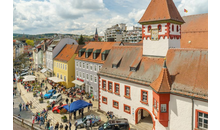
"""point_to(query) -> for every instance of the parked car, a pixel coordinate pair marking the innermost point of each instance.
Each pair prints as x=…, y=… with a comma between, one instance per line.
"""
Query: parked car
x=56, y=97
x=116, y=124
x=57, y=109
x=50, y=93
x=82, y=122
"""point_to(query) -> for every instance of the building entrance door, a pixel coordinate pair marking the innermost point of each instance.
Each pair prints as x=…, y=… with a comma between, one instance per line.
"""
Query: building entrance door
x=144, y=119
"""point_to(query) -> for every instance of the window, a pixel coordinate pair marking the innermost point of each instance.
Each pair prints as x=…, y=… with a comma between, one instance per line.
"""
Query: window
x=104, y=56
x=115, y=104
x=144, y=95
x=94, y=55
x=54, y=64
x=127, y=109
x=117, y=89
x=132, y=69
x=87, y=55
x=87, y=66
x=83, y=75
x=110, y=86
x=201, y=119
x=95, y=79
x=95, y=67
x=159, y=28
x=114, y=66
x=80, y=74
x=156, y=104
x=104, y=100
x=149, y=28
x=127, y=92
x=87, y=76
x=91, y=78
x=177, y=28
x=65, y=67
x=83, y=65
x=61, y=66
x=76, y=73
x=172, y=27
x=104, y=85
x=61, y=76
x=64, y=78
x=57, y=75
x=76, y=64
x=57, y=65
x=100, y=67
x=91, y=67
x=163, y=108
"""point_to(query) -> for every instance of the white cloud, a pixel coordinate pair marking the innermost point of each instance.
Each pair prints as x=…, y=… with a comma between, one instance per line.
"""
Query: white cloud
x=83, y=16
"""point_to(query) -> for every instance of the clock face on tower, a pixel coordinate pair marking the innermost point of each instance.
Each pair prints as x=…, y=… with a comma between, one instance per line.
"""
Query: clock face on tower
x=154, y=34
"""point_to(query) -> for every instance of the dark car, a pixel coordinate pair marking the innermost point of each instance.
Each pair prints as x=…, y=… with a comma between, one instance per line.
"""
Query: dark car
x=116, y=124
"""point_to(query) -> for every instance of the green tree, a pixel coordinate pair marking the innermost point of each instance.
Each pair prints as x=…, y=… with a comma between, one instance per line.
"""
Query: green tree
x=81, y=40
x=30, y=42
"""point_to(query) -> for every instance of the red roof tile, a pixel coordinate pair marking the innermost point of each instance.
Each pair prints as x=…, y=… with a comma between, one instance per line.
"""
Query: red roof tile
x=159, y=10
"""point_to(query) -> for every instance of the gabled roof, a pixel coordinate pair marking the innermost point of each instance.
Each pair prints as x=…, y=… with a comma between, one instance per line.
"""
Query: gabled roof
x=97, y=45
x=67, y=52
x=159, y=10
x=195, y=29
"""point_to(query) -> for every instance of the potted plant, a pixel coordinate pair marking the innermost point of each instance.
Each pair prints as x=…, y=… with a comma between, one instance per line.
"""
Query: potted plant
x=63, y=111
x=41, y=100
x=64, y=119
x=34, y=94
x=49, y=107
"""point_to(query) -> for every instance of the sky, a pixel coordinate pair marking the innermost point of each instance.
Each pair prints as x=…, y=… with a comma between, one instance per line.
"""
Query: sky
x=84, y=16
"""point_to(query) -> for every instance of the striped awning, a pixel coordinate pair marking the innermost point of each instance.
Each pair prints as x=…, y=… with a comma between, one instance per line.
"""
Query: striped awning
x=82, y=50
x=97, y=51
x=89, y=50
x=106, y=52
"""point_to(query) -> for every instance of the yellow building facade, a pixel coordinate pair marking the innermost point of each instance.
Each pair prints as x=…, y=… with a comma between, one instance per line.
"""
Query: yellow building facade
x=65, y=71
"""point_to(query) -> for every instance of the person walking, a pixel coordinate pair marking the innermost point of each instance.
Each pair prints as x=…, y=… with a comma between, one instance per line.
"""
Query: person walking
x=20, y=105
x=41, y=120
x=27, y=104
x=61, y=126
x=66, y=127
x=30, y=104
x=48, y=125
x=67, y=100
x=70, y=125
x=57, y=126
x=15, y=92
x=71, y=100
x=45, y=125
x=33, y=119
x=51, y=127
x=23, y=106
x=90, y=123
x=75, y=125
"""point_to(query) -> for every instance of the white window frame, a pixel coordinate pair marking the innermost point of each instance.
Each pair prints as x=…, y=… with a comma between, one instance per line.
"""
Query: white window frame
x=76, y=63
x=91, y=67
x=95, y=79
x=77, y=73
x=91, y=77
x=87, y=76
x=80, y=74
x=87, y=66
x=80, y=64
x=95, y=68
x=57, y=75
x=61, y=76
x=65, y=67
x=64, y=77
x=83, y=65
x=163, y=108
x=203, y=122
x=83, y=75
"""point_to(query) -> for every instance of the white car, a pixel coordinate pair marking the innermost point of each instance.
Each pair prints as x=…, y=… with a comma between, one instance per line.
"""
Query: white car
x=56, y=97
x=23, y=74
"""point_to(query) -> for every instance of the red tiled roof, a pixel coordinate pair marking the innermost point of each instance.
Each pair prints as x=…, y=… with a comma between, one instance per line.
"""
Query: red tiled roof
x=195, y=30
x=96, y=45
x=159, y=10
x=66, y=53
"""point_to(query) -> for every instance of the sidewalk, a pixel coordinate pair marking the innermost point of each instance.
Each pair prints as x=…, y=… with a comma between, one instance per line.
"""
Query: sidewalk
x=38, y=107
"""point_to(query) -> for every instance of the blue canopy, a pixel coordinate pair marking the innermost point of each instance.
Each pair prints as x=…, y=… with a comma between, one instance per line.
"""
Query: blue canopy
x=77, y=105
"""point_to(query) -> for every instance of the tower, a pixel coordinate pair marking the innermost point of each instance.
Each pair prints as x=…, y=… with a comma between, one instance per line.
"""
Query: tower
x=161, y=28
x=96, y=35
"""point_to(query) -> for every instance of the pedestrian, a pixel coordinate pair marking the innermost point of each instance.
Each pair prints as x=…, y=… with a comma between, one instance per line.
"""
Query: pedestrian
x=57, y=126
x=70, y=125
x=46, y=88
x=20, y=92
x=27, y=104
x=45, y=125
x=92, y=98
x=66, y=127
x=90, y=123
x=61, y=126
x=87, y=124
x=71, y=100
x=15, y=92
x=30, y=104
x=33, y=118
x=75, y=125
x=41, y=120
x=48, y=124
x=51, y=127
x=23, y=106
x=13, y=104
x=20, y=105
x=79, y=111
x=67, y=100
x=74, y=113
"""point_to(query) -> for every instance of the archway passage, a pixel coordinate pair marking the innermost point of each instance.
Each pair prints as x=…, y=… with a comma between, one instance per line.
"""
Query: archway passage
x=144, y=119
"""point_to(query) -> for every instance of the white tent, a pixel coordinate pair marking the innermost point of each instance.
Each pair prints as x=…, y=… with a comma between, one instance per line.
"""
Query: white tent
x=43, y=70
x=29, y=76
x=78, y=82
x=55, y=79
x=29, y=79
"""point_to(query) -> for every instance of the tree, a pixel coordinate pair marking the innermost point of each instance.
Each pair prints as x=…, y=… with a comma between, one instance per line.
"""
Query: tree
x=81, y=40
x=30, y=42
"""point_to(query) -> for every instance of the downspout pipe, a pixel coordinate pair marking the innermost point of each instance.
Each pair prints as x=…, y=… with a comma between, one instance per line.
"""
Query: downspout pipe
x=192, y=111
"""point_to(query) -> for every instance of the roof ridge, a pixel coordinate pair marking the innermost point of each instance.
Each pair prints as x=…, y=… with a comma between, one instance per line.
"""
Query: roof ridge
x=195, y=15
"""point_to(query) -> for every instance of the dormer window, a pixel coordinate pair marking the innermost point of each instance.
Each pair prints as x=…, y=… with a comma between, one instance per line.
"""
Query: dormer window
x=81, y=51
x=133, y=69
x=96, y=53
x=105, y=54
x=88, y=52
x=114, y=66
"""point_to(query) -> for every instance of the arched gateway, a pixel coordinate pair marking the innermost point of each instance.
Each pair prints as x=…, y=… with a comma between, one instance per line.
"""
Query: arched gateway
x=139, y=114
